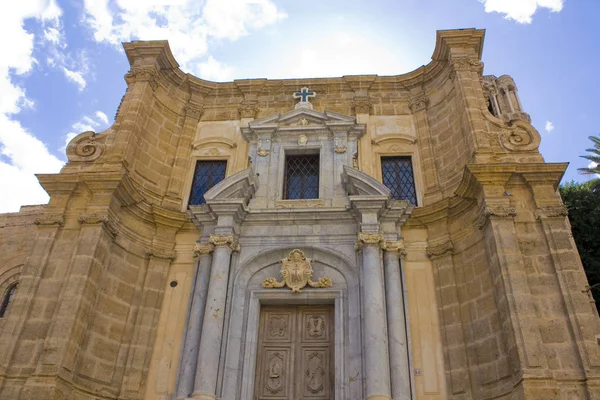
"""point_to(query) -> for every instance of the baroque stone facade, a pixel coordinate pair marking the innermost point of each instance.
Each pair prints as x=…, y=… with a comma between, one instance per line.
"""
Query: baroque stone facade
x=126, y=292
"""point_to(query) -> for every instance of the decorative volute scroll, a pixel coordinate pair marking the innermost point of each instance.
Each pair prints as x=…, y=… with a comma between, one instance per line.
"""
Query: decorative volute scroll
x=87, y=146
x=296, y=272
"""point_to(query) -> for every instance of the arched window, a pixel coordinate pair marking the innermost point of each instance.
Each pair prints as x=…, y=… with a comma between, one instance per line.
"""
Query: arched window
x=10, y=292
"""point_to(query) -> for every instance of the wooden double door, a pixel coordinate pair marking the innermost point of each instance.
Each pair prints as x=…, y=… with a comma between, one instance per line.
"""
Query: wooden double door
x=295, y=353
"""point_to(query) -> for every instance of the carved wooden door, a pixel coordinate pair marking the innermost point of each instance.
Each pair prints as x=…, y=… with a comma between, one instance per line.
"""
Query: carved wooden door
x=295, y=353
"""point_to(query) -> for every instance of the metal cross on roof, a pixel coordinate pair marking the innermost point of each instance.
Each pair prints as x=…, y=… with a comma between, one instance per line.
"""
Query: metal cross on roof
x=304, y=94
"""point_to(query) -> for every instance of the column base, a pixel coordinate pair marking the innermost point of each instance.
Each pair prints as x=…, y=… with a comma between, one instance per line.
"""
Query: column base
x=379, y=397
x=202, y=396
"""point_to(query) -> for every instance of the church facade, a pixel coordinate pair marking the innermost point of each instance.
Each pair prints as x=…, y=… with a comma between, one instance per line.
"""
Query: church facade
x=363, y=237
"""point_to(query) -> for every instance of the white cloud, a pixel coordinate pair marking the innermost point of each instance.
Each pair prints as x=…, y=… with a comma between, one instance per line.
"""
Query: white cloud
x=100, y=115
x=23, y=154
x=76, y=77
x=521, y=10
x=549, y=126
x=187, y=24
x=213, y=70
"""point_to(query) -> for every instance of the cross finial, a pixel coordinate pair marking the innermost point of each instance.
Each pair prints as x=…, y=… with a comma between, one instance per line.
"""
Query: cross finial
x=303, y=95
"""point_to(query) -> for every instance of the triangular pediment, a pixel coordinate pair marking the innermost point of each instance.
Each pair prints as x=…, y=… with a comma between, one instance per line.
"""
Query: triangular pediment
x=304, y=119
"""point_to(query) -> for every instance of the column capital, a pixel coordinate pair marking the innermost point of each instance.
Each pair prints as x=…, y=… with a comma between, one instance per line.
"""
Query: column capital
x=394, y=247
x=494, y=210
x=201, y=249
x=225, y=240
x=366, y=238
x=440, y=250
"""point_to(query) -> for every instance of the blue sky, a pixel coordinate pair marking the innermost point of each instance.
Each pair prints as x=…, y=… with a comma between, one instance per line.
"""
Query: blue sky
x=62, y=65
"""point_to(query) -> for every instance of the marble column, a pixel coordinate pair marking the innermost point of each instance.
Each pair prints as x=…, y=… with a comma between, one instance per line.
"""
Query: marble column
x=377, y=364
x=394, y=296
x=189, y=358
x=205, y=383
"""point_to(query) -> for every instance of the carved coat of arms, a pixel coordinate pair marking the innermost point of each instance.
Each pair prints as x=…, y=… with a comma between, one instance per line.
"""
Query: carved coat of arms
x=296, y=272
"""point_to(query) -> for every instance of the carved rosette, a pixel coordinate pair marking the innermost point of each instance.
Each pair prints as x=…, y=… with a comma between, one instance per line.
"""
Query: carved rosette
x=366, y=238
x=161, y=254
x=201, y=249
x=225, y=240
x=248, y=109
x=194, y=111
x=395, y=247
x=418, y=103
x=497, y=211
x=296, y=271
x=551, y=212
x=51, y=219
x=440, y=250
x=87, y=146
x=362, y=105
x=143, y=74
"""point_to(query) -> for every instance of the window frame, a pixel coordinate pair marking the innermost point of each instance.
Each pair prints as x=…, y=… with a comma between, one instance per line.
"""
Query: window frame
x=411, y=157
x=8, y=298
x=286, y=170
x=292, y=150
x=192, y=170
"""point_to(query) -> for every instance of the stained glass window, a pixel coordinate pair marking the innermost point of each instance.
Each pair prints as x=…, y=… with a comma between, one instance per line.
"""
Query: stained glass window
x=301, y=177
x=398, y=176
x=206, y=175
x=7, y=298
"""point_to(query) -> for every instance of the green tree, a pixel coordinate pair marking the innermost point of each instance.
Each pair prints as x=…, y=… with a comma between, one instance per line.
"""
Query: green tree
x=583, y=204
x=594, y=167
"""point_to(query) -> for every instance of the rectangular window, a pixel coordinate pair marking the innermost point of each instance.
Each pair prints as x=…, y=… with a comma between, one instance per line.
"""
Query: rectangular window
x=301, y=177
x=397, y=173
x=206, y=175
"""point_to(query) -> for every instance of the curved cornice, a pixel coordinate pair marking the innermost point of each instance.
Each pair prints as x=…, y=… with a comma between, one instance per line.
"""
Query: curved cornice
x=158, y=54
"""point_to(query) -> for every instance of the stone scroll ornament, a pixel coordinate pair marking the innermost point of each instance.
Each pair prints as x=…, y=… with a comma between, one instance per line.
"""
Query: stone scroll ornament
x=296, y=272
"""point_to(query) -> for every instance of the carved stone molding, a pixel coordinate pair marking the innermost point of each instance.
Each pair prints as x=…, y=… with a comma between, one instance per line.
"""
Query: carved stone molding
x=418, y=103
x=201, y=249
x=395, y=247
x=293, y=204
x=497, y=211
x=362, y=105
x=85, y=147
x=92, y=219
x=52, y=219
x=519, y=139
x=248, y=109
x=296, y=272
x=194, y=111
x=143, y=74
x=225, y=240
x=440, y=250
x=161, y=254
x=551, y=212
x=467, y=64
x=366, y=238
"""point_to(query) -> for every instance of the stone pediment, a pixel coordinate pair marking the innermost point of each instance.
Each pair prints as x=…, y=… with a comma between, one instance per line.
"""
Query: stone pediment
x=304, y=120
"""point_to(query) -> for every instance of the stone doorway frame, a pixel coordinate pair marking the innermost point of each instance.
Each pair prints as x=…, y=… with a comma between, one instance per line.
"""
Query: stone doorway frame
x=260, y=298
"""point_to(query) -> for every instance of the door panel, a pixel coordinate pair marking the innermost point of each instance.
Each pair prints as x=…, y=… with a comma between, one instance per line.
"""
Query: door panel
x=295, y=353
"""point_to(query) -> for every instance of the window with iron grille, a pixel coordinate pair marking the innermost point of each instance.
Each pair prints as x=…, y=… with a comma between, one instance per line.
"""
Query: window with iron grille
x=397, y=173
x=301, y=177
x=206, y=175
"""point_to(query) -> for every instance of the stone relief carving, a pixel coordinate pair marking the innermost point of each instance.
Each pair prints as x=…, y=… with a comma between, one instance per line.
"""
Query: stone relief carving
x=194, y=111
x=296, y=272
x=551, y=212
x=365, y=238
x=315, y=326
x=225, y=240
x=52, y=219
x=278, y=326
x=362, y=105
x=340, y=148
x=87, y=146
x=440, y=250
x=161, y=254
x=494, y=211
x=467, y=64
x=519, y=139
x=260, y=151
x=143, y=74
x=275, y=373
x=395, y=247
x=418, y=103
x=201, y=249
x=315, y=373
x=248, y=109
x=99, y=219
x=302, y=140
